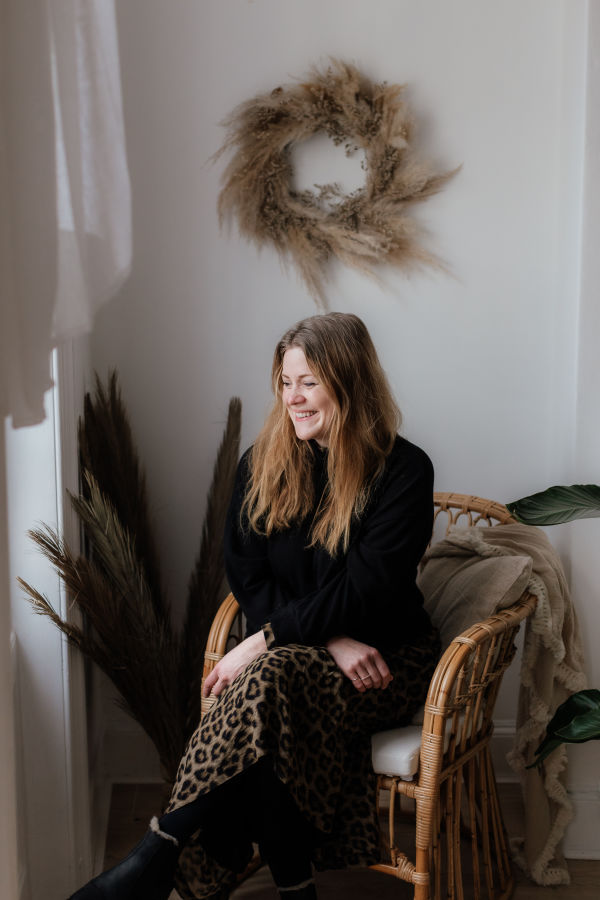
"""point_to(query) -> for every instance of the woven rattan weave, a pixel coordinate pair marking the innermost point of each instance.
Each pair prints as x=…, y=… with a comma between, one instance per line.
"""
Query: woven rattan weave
x=460, y=840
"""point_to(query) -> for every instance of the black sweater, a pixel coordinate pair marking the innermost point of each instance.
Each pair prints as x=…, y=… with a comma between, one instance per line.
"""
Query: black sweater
x=369, y=593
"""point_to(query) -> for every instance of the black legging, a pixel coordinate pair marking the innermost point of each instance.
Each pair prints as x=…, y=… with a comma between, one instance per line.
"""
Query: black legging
x=259, y=807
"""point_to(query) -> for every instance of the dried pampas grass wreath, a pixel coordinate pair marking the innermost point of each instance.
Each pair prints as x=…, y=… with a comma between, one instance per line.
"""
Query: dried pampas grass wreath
x=362, y=229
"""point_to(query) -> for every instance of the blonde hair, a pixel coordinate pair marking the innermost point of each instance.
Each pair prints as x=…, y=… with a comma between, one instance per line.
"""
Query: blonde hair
x=280, y=492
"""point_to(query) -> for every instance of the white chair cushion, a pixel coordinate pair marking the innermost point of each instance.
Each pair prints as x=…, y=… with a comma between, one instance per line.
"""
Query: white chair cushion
x=396, y=752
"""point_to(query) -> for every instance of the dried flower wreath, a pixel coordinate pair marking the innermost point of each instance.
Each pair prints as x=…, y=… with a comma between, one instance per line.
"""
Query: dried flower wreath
x=369, y=225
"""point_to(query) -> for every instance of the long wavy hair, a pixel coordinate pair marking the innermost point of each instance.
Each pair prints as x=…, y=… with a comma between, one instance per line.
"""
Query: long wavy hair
x=280, y=493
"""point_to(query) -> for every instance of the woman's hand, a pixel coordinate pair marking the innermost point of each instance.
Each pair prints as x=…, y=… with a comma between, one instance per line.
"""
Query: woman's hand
x=363, y=665
x=234, y=662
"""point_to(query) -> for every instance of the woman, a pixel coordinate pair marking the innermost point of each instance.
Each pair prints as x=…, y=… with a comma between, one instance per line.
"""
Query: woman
x=330, y=515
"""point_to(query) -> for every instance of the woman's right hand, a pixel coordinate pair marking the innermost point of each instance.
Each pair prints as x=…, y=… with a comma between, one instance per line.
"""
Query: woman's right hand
x=362, y=664
x=234, y=662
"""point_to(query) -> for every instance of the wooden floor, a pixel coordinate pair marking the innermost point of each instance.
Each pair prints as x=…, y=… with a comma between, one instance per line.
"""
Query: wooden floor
x=133, y=805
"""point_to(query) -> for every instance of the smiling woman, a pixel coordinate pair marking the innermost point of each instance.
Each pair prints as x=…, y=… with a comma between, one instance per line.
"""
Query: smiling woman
x=330, y=515
x=356, y=419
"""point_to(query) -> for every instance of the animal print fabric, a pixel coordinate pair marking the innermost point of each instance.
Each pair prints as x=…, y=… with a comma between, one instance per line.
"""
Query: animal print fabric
x=294, y=705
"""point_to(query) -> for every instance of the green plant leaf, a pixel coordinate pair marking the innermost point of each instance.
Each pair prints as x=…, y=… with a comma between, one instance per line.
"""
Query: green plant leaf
x=547, y=746
x=558, y=504
x=575, y=721
x=583, y=724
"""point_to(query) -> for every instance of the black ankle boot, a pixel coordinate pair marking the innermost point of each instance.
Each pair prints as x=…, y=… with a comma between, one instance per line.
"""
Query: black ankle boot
x=146, y=874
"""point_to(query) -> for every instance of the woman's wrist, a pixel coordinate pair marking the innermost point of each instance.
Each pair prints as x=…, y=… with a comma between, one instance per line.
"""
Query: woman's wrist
x=259, y=641
x=332, y=641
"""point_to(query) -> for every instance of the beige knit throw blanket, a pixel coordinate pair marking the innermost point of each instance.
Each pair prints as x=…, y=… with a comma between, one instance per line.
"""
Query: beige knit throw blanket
x=551, y=669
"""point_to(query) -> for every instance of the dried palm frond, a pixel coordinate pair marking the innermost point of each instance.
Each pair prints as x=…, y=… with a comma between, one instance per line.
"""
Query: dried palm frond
x=42, y=606
x=367, y=227
x=116, y=584
x=206, y=587
x=137, y=651
x=107, y=449
x=114, y=552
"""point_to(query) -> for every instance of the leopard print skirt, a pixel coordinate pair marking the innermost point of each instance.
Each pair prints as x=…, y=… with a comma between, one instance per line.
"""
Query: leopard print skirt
x=294, y=705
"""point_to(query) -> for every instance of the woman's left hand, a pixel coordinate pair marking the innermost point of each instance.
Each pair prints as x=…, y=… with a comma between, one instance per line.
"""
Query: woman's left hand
x=234, y=662
x=363, y=665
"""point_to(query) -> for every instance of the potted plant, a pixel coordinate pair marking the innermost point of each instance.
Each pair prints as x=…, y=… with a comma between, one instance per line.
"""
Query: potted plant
x=577, y=719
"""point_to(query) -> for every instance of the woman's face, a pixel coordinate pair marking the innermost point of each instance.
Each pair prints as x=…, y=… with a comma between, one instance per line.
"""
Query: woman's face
x=310, y=406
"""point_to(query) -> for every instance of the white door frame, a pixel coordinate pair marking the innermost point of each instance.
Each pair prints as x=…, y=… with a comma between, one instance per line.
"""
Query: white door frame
x=53, y=809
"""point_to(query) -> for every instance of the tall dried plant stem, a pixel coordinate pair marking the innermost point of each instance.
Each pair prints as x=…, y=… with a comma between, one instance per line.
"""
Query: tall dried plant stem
x=107, y=450
x=207, y=583
x=116, y=584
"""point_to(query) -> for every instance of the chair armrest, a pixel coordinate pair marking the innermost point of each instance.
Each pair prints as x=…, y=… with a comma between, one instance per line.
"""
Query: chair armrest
x=216, y=645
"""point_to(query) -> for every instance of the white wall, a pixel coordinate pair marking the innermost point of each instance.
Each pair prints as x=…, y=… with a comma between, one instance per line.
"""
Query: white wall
x=484, y=363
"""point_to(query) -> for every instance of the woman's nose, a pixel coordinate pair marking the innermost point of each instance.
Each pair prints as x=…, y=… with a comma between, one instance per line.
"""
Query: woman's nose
x=295, y=396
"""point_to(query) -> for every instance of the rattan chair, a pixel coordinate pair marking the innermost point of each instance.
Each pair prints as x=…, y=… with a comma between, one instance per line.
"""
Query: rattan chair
x=444, y=765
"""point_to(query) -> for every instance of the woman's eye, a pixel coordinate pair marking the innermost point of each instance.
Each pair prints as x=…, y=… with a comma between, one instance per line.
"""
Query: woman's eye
x=309, y=384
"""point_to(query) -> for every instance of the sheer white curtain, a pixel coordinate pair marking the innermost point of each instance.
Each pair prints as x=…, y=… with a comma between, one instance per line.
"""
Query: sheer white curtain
x=65, y=206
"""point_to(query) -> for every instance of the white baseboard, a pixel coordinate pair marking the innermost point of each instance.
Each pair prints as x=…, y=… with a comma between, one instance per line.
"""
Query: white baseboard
x=582, y=839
